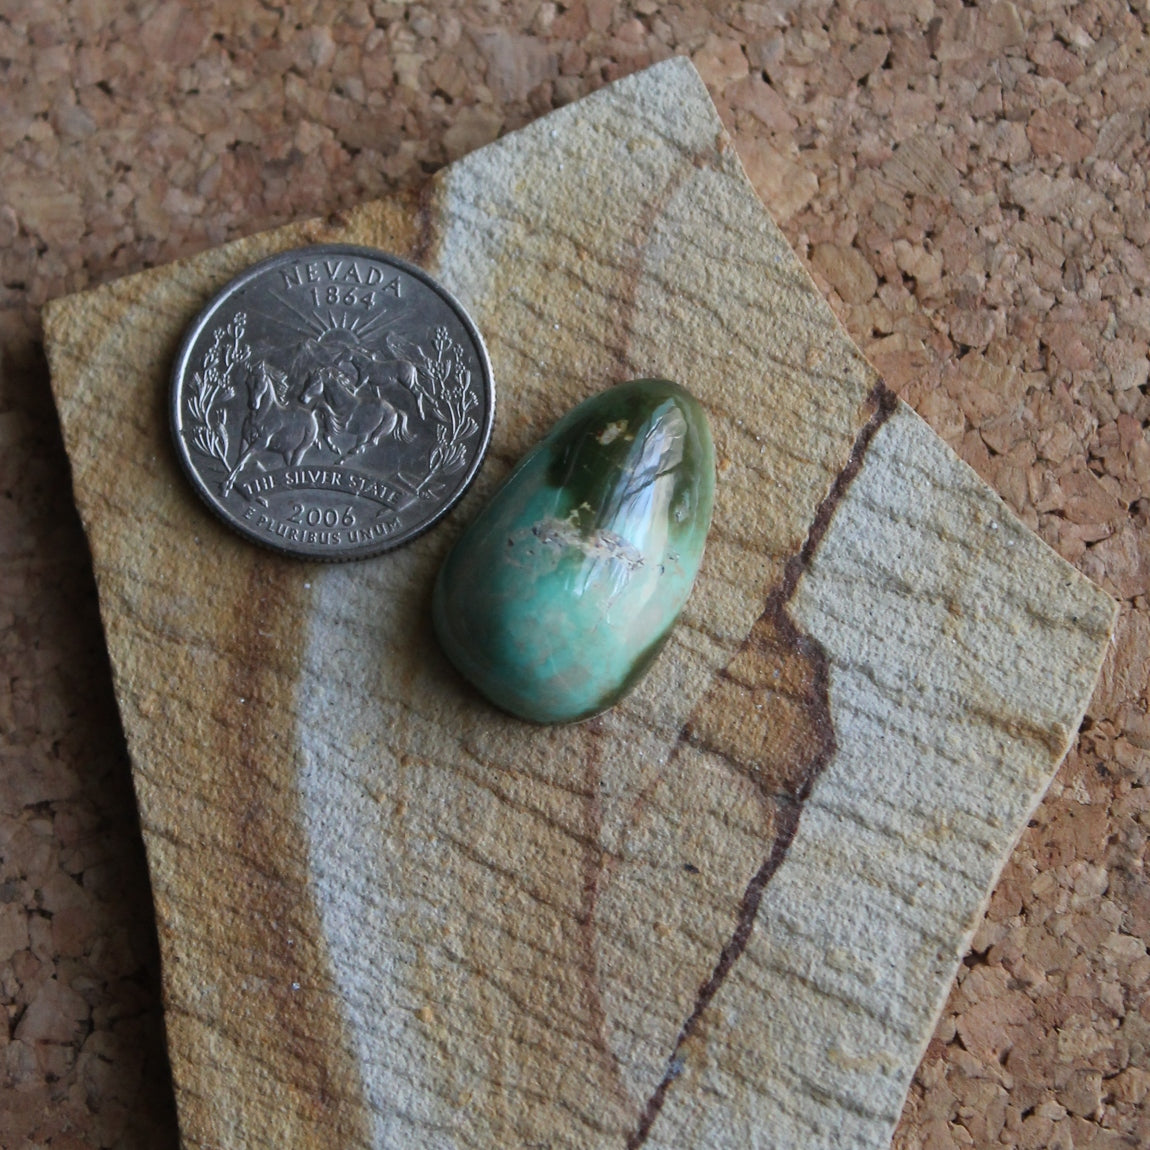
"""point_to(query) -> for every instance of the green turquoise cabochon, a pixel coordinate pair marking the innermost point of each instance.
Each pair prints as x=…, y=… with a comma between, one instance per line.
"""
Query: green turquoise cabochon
x=559, y=595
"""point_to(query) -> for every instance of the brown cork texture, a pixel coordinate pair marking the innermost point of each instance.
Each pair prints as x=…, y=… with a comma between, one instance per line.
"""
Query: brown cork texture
x=967, y=187
x=340, y=840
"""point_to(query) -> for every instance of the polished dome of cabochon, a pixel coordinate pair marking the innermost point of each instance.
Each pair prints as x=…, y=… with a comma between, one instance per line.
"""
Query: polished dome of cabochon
x=559, y=595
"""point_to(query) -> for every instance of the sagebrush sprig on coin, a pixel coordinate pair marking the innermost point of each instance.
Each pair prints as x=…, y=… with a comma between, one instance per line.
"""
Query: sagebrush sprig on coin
x=326, y=421
x=452, y=399
x=212, y=383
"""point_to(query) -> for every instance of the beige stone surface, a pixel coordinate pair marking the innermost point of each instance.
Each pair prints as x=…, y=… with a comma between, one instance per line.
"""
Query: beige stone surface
x=726, y=912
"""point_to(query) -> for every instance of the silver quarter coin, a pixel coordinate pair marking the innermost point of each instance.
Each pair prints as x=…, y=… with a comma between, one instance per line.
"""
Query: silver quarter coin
x=332, y=402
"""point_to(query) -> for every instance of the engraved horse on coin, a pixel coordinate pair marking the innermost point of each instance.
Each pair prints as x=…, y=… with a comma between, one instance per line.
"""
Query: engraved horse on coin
x=355, y=418
x=277, y=422
x=348, y=390
x=335, y=387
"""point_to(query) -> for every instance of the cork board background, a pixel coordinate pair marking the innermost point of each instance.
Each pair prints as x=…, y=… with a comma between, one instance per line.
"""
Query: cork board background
x=968, y=186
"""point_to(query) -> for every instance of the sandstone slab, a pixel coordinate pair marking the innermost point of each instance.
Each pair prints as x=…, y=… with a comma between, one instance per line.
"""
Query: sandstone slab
x=725, y=913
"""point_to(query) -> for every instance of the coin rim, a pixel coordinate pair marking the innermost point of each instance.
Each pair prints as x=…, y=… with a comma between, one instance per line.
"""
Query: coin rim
x=236, y=283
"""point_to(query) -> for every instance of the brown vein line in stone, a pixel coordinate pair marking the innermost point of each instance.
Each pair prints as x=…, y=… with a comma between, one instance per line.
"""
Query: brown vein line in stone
x=787, y=825
x=883, y=403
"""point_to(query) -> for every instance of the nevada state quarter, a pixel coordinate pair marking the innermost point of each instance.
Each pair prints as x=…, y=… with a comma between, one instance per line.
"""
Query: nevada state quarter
x=332, y=402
